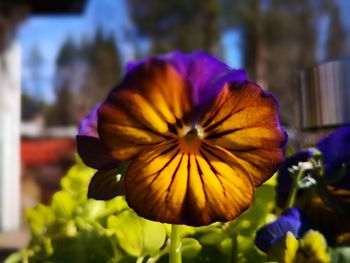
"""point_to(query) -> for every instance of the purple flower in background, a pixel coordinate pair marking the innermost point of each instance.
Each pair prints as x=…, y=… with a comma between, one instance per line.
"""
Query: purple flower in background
x=285, y=179
x=328, y=205
x=292, y=220
x=335, y=149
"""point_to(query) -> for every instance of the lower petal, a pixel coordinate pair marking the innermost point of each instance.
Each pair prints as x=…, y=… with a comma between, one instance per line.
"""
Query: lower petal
x=105, y=185
x=193, y=188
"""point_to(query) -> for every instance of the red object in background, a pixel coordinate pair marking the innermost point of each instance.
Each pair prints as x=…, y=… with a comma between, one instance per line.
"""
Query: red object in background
x=40, y=152
x=44, y=162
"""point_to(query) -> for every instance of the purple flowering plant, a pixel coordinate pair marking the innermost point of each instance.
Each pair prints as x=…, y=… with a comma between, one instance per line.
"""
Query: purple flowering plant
x=191, y=138
x=315, y=182
x=178, y=164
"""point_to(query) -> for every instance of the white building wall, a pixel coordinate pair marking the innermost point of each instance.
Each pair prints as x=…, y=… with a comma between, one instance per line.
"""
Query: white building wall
x=10, y=104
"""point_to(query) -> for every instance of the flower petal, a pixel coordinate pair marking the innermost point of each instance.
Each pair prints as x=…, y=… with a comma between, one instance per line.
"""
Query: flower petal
x=206, y=73
x=335, y=149
x=90, y=148
x=152, y=97
x=94, y=154
x=88, y=125
x=285, y=250
x=331, y=223
x=193, y=188
x=313, y=248
x=268, y=235
x=244, y=120
x=105, y=186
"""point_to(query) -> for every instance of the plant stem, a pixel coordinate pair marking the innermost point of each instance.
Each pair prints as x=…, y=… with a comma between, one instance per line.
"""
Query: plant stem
x=294, y=189
x=234, y=250
x=175, y=245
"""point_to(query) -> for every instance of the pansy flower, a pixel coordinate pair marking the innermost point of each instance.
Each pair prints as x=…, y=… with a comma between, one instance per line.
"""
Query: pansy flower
x=289, y=239
x=285, y=179
x=292, y=220
x=327, y=204
x=199, y=138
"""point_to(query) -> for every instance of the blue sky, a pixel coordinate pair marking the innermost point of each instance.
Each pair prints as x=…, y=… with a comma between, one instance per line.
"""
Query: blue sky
x=47, y=33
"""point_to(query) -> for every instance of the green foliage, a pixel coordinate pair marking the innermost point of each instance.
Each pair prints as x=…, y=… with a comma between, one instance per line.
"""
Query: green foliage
x=137, y=236
x=76, y=229
x=341, y=255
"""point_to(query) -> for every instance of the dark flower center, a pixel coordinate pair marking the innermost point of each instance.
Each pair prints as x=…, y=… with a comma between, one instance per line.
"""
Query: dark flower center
x=190, y=134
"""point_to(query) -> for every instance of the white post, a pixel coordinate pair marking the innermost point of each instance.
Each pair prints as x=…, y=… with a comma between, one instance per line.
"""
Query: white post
x=10, y=104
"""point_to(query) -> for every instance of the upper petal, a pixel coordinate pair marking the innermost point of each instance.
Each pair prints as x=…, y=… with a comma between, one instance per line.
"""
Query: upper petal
x=144, y=108
x=206, y=73
x=244, y=120
x=94, y=154
x=88, y=125
x=90, y=147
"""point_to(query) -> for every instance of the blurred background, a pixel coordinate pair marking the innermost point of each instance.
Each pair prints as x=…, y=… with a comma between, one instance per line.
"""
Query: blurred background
x=67, y=55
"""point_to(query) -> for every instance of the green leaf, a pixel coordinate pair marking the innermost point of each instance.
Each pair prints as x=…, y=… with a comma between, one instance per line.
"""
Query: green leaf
x=247, y=250
x=137, y=236
x=190, y=248
x=213, y=236
x=39, y=218
x=63, y=205
x=340, y=255
x=117, y=205
x=89, y=246
x=185, y=231
x=77, y=180
x=92, y=209
x=16, y=257
x=256, y=215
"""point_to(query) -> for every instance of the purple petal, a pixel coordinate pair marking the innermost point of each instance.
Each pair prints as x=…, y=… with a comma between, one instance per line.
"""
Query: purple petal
x=207, y=74
x=94, y=154
x=269, y=234
x=88, y=126
x=335, y=149
x=90, y=147
x=285, y=179
x=105, y=186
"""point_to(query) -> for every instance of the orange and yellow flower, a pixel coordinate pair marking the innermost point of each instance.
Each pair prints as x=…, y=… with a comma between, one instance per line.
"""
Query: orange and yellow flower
x=199, y=138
